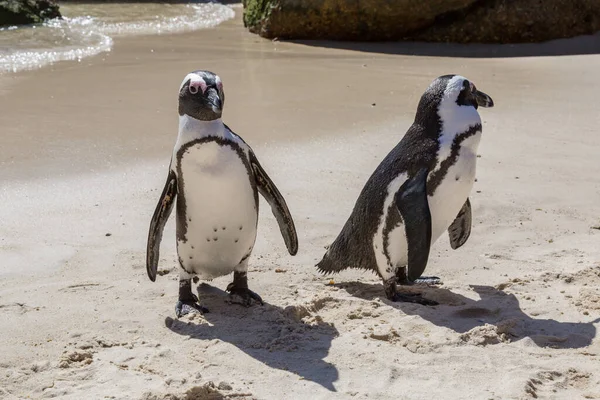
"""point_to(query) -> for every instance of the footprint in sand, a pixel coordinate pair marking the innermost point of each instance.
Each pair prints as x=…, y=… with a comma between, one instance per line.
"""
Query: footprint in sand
x=19, y=308
x=85, y=286
x=548, y=383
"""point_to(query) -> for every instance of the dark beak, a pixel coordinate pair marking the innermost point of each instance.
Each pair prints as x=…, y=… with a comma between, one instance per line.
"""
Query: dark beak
x=217, y=104
x=483, y=100
x=215, y=101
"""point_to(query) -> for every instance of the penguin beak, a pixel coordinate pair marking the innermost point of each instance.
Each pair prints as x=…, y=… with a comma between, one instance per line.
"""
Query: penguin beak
x=217, y=104
x=215, y=101
x=483, y=100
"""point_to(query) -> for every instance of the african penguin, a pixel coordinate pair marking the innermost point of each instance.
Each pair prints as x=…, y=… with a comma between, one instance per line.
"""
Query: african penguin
x=417, y=192
x=215, y=178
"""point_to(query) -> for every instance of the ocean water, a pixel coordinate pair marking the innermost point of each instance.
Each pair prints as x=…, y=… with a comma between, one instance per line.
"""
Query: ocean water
x=89, y=29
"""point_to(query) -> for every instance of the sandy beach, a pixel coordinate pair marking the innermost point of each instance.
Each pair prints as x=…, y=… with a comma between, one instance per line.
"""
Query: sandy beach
x=84, y=152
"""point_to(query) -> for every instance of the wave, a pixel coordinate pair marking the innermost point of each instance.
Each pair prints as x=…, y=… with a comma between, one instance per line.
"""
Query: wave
x=87, y=30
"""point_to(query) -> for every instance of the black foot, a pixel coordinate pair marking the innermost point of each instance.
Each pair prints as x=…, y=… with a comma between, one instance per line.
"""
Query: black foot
x=186, y=307
x=413, y=298
x=402, y=279
x=188, y=301
x=239, y=287
x=428, y=280
x=392, y=294
x=245, y=294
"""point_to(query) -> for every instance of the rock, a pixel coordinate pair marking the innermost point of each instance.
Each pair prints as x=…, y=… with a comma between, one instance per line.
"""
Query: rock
x=343, y=19
x=22, y=12
x=516, y=21
x=460, y=21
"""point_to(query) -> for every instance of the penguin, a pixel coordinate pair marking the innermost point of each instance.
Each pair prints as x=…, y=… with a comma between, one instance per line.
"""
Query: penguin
x=214, y=179
x=419, y=190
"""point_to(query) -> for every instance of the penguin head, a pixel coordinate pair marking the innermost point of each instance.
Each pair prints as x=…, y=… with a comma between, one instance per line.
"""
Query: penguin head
x=451, y=98
x=458, y=89
x=201, y=96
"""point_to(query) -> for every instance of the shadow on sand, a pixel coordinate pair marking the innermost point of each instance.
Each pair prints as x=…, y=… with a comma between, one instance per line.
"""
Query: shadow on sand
x=495, y=307
x=589, y=44
x=272, y=335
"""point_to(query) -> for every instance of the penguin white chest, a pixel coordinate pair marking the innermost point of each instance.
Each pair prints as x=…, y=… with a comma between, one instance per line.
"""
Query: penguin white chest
x=220, y=210
x=453, y=190
x=457, y=156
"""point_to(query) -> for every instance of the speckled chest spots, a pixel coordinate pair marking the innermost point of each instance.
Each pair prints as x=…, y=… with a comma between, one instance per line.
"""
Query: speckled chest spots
x=218, y=209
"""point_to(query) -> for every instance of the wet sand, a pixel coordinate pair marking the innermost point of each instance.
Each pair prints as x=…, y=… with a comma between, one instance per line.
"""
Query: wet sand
x=84, y=152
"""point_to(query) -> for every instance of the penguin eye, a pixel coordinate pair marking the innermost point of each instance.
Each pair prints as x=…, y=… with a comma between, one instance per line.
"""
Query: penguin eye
x=196, y=85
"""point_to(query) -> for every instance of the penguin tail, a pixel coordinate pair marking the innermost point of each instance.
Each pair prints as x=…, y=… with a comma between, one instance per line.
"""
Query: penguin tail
x=330, y=264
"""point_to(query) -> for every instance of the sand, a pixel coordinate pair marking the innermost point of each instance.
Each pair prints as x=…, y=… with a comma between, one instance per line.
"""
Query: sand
x=84, y=152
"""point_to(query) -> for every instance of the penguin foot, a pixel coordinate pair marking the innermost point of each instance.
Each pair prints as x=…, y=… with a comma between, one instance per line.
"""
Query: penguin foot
x=412, y=298
x=429, y=280
x=402, y=279
x=245, y=294
x=185, y=307
x=188, y=301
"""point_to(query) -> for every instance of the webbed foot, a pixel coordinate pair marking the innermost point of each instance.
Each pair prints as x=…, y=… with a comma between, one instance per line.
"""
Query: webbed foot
x=402, y=279
x=186, y=307
x=428, y=280
x=245, y=294
x=239, y=287
x=392, y=294
x=188, y=301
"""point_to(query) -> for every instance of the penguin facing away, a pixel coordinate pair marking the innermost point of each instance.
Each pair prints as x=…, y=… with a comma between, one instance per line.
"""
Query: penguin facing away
x=419, y=190
x=214, y=178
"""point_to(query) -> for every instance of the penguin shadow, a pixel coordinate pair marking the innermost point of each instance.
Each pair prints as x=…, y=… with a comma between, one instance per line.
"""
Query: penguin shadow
x=283, y=338
x=495, y=307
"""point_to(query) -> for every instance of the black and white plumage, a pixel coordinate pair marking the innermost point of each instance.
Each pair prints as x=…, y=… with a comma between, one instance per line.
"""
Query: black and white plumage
x=215, y=178
x=417, y=192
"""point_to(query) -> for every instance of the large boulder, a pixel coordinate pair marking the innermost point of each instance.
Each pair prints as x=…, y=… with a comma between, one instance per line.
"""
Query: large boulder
x=517, y=21
x=344, y=19
x=22, y=12
x=461, y=21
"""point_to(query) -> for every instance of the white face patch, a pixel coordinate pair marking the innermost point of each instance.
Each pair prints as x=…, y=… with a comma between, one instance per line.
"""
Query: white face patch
x=196, y=83
x=219, y=83
x=453, y=88
x=454, y=117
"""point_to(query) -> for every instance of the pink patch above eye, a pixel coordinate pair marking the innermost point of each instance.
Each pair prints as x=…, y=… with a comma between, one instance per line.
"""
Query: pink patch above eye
x=196, y=85
x=219, y=84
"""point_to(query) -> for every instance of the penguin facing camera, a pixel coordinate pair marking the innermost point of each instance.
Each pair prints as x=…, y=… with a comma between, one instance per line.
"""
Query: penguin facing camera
x=213, y=181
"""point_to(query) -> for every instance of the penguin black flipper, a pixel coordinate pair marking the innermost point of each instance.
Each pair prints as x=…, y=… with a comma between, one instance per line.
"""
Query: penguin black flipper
x=159, y=219
x=280, y=210
x=411, y=200
x=460, y=230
